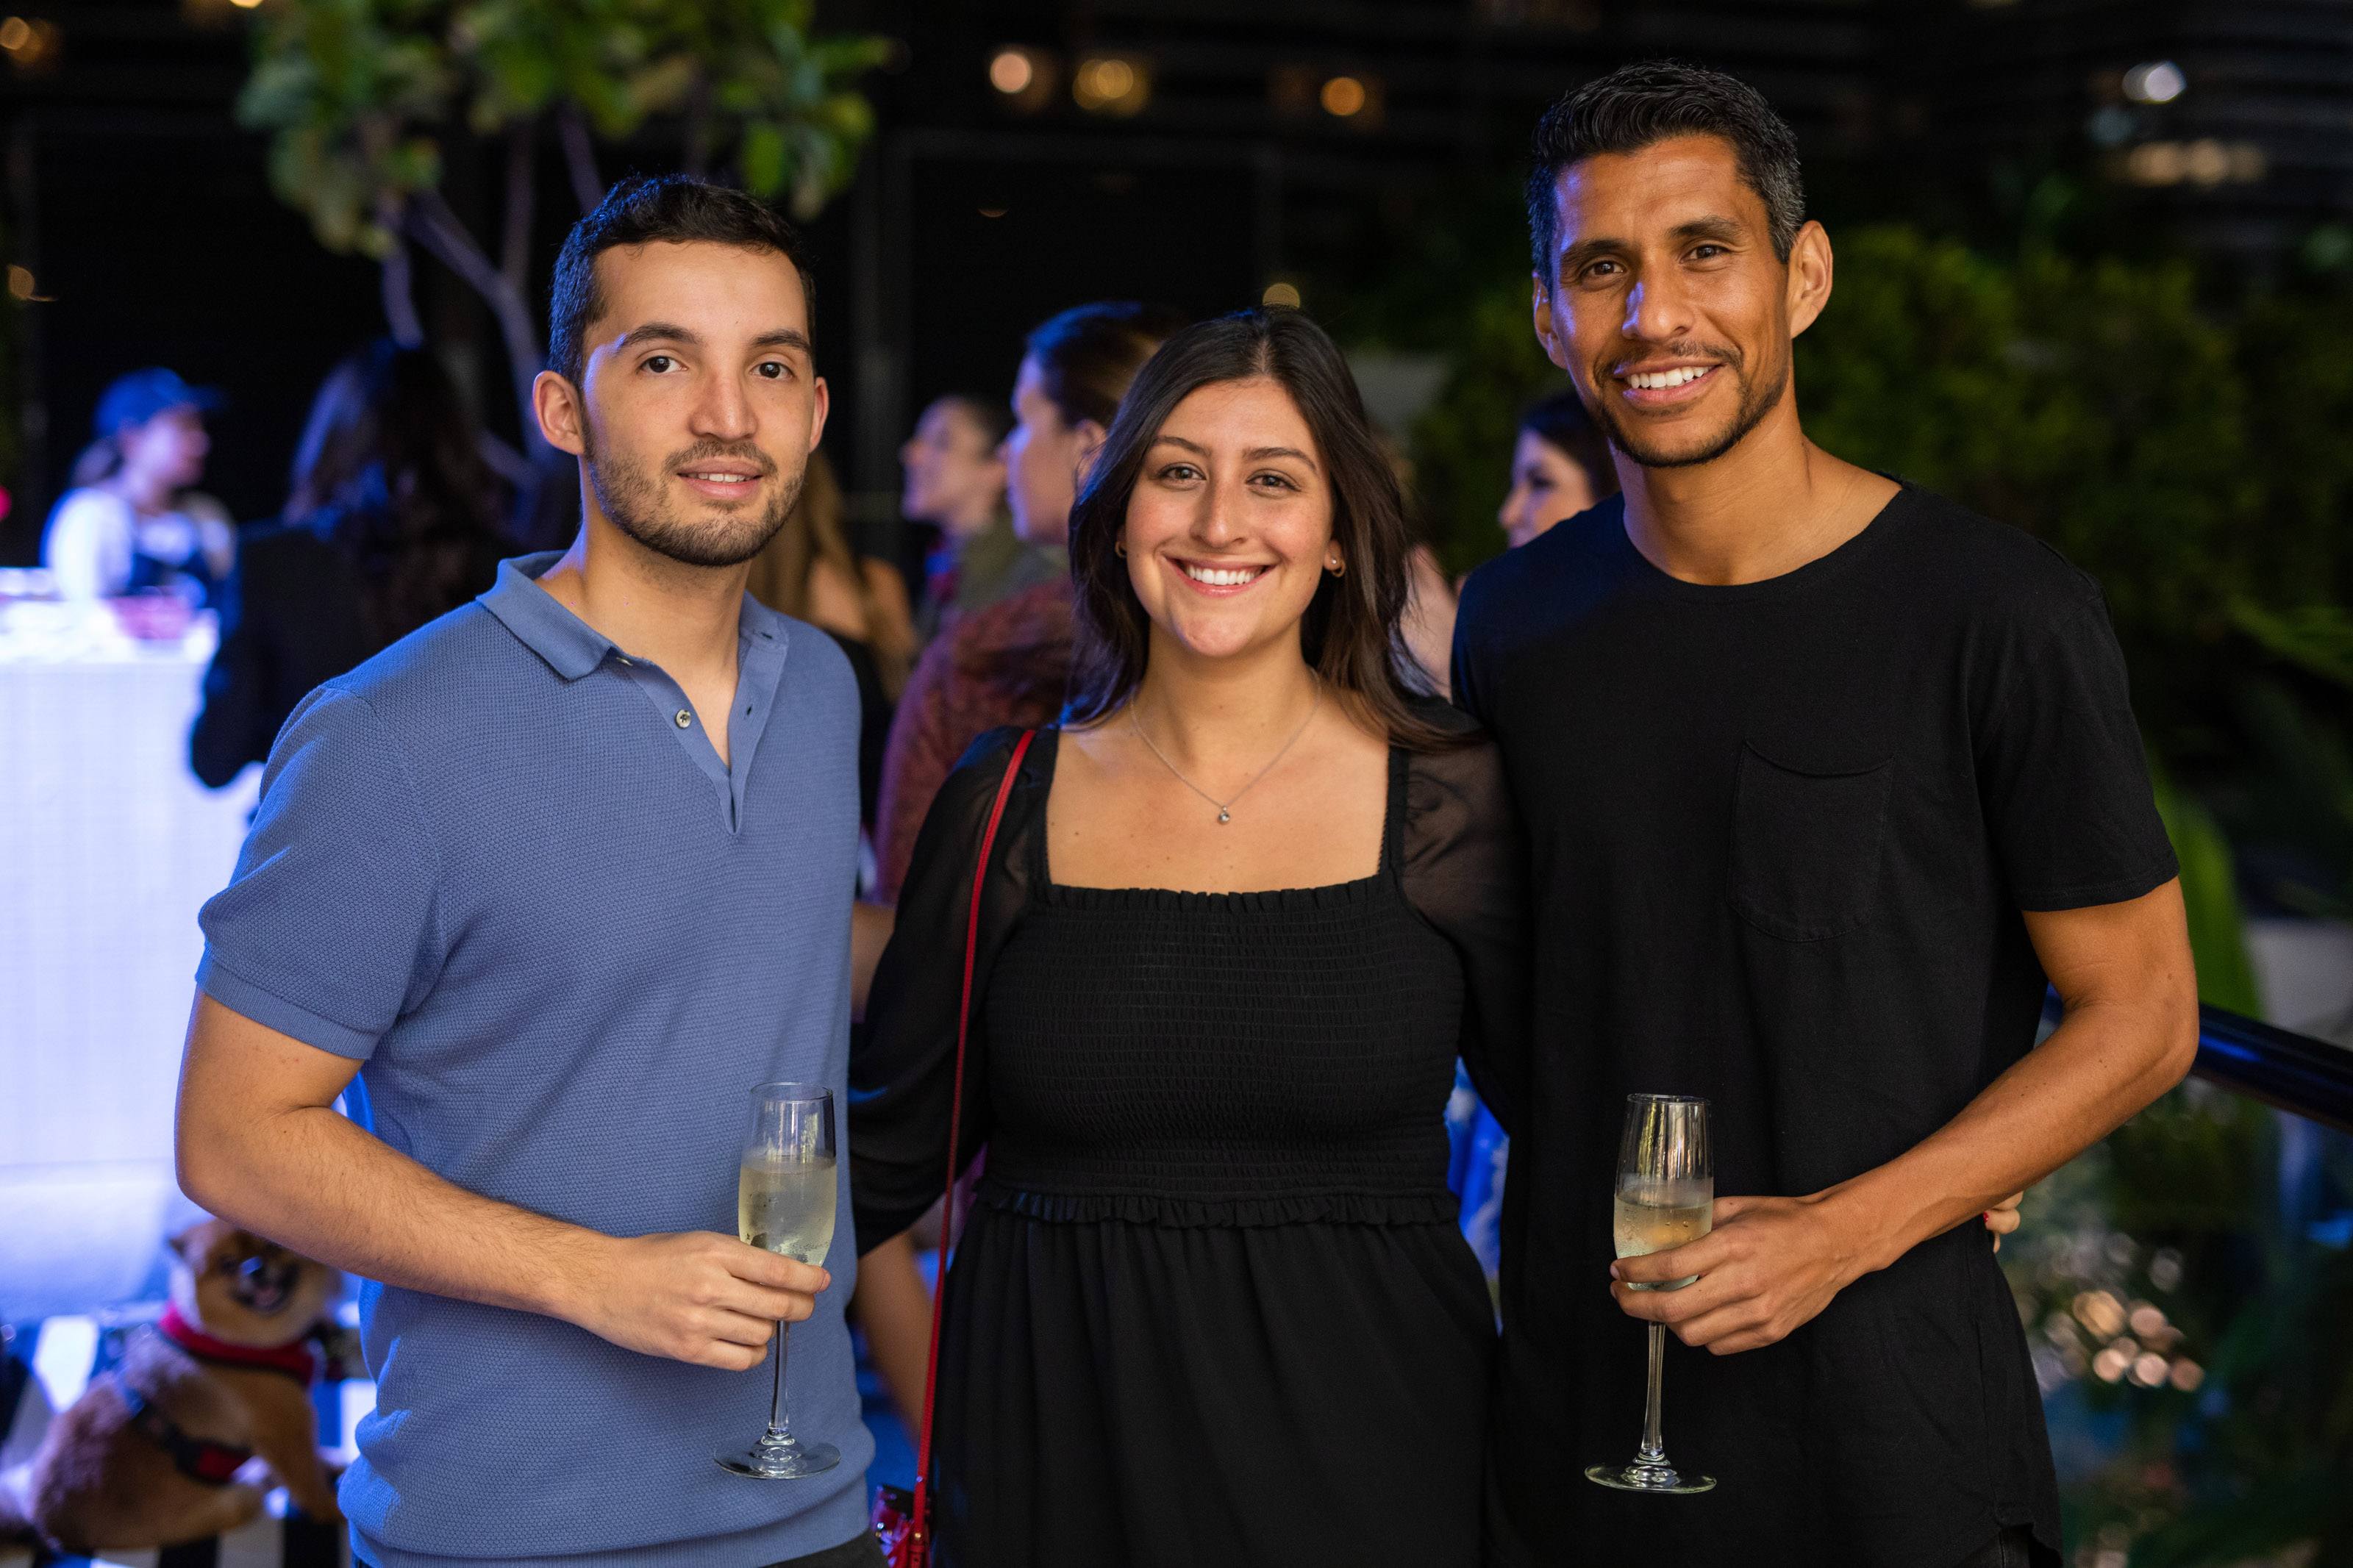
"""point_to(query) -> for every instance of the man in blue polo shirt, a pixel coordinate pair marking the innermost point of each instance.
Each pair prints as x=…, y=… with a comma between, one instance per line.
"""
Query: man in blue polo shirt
x=566, y=873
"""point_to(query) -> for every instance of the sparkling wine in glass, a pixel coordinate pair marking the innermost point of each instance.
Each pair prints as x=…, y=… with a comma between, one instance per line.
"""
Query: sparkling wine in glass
x=785, y=1187
x=1666, y=1196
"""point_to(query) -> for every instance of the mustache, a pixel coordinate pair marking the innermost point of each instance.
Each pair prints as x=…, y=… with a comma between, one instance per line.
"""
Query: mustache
x=708, y=451
x=1680, y=348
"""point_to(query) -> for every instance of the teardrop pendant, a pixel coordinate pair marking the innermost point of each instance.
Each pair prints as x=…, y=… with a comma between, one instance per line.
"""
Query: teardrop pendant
x=1223, y=816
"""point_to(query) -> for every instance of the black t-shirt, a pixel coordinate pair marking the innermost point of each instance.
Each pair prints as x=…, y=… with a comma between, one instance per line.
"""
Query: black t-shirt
x=1782, y=832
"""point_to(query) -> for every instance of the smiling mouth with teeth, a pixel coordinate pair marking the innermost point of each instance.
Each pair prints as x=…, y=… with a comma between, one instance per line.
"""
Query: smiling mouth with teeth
x=721, y=478
x=1666, y=380
x=1222, y=576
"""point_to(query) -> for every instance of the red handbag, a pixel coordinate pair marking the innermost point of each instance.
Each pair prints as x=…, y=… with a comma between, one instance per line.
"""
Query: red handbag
x=902, y=1520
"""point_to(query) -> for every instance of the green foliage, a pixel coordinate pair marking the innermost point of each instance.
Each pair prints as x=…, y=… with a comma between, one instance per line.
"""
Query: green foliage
x=2193, y=461
x=363, y=95
x=2209, y=888
x=2092, y=403
x=351, y=88
x=1462, y=443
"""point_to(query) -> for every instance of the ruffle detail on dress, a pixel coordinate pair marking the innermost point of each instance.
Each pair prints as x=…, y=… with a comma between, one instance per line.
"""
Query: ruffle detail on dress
x=1182, y=1214
x=1336, y=895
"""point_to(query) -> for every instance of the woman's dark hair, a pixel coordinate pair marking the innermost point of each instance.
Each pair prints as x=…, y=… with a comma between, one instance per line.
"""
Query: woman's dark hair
x=389, y=471
x=1351, y=633
x=1089, y=354
x=1563, y=424
x=1638, y=105
x=676, y=209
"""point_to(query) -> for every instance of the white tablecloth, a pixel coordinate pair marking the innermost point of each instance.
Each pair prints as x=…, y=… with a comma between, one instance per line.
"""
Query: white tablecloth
x=108, y=846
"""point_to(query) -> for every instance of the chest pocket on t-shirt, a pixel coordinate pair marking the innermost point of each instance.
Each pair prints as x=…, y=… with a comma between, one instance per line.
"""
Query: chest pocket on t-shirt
x=1806, y=845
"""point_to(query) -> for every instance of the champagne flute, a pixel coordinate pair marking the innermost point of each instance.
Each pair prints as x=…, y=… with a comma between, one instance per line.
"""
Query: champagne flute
x=1666, y=1196
x=785, y=1187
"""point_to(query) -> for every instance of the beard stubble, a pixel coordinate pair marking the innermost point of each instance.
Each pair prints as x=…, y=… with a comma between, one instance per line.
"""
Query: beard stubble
x=631, y=496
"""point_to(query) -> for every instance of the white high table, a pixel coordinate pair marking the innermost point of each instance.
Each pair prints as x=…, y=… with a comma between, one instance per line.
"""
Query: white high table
x=108, y=847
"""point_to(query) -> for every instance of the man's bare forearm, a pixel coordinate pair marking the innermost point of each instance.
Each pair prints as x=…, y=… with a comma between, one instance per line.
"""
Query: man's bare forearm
x=311, y=1181
x=2099, y=1068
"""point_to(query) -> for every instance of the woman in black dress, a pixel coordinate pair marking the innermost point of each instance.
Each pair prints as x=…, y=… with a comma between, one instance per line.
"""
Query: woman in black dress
x=1244, y=910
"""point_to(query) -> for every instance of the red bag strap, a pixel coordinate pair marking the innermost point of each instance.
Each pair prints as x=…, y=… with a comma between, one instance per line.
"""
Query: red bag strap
x=921, y=1510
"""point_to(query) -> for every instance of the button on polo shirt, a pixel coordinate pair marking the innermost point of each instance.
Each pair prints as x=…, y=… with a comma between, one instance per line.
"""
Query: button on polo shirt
x=495, y=866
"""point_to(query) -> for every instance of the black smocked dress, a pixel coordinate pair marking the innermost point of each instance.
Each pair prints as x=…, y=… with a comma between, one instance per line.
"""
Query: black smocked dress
x=1210, y=1305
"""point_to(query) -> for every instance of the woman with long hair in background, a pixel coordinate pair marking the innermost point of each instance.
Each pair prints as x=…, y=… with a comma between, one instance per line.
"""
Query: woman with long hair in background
x=809, y=570
x=392, y=520
x=1246, y=907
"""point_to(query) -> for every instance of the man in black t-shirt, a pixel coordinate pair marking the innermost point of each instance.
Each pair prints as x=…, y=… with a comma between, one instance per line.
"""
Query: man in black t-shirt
x=1822, y=776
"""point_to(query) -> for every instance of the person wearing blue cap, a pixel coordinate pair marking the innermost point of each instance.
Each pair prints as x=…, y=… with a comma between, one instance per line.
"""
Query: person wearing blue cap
x=132, y=521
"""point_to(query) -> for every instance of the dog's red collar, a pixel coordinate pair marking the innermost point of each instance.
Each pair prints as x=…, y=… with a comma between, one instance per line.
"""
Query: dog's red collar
x=295, y=1360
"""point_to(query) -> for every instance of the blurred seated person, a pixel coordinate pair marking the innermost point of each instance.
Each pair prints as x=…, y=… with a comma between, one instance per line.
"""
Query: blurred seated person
x=1560, y=467
x=809, y=571
x=132, y=521
x=954, y=481
x=393, y=519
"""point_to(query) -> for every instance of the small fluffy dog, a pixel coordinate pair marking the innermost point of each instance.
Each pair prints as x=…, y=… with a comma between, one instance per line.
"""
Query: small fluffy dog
x=182, y=1440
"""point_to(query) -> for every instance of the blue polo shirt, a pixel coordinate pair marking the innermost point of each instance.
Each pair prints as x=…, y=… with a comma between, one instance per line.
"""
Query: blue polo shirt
x=501, y=865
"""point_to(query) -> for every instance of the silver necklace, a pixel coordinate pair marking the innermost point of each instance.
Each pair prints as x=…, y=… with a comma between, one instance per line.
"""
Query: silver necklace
x=1225, y=807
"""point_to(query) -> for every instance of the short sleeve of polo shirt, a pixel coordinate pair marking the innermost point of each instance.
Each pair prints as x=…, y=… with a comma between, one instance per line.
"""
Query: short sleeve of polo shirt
x=2064, y=778
x=326, y=932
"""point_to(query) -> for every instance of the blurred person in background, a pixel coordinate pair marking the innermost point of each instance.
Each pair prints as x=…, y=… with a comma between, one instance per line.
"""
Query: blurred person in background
x=955, y=483
x=1013, y=659
x=808, y=571
x=1560, y=467
x=392, y=520
x=1008, y=664
x=133, y=521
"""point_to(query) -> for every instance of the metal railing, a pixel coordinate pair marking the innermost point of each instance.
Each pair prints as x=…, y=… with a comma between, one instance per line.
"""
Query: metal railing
x=2292, y=1072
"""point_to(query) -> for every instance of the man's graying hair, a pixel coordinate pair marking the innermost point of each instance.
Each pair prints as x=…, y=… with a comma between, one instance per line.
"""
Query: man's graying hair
x=1638, y=105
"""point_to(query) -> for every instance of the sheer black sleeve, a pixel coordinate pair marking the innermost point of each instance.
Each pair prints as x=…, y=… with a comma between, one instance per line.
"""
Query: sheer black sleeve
x=1466, y=871
x=901, y=1078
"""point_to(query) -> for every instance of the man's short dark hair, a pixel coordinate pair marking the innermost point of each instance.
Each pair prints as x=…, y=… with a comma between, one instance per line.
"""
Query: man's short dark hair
x=1638, y=105
x=641, y=210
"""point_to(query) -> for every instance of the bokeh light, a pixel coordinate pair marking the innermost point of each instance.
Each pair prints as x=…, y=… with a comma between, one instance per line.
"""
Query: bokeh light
x=2159, y=81
x=1343, y=96
x=1012, y=71
x=1112, y=84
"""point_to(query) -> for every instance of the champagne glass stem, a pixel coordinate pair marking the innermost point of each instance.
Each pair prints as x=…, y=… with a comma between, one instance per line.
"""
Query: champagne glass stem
x=1655, y=1451
x=778, y=1419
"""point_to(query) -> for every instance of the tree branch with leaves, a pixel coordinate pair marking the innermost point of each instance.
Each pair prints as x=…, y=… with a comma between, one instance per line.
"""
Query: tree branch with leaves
x=364, y=100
